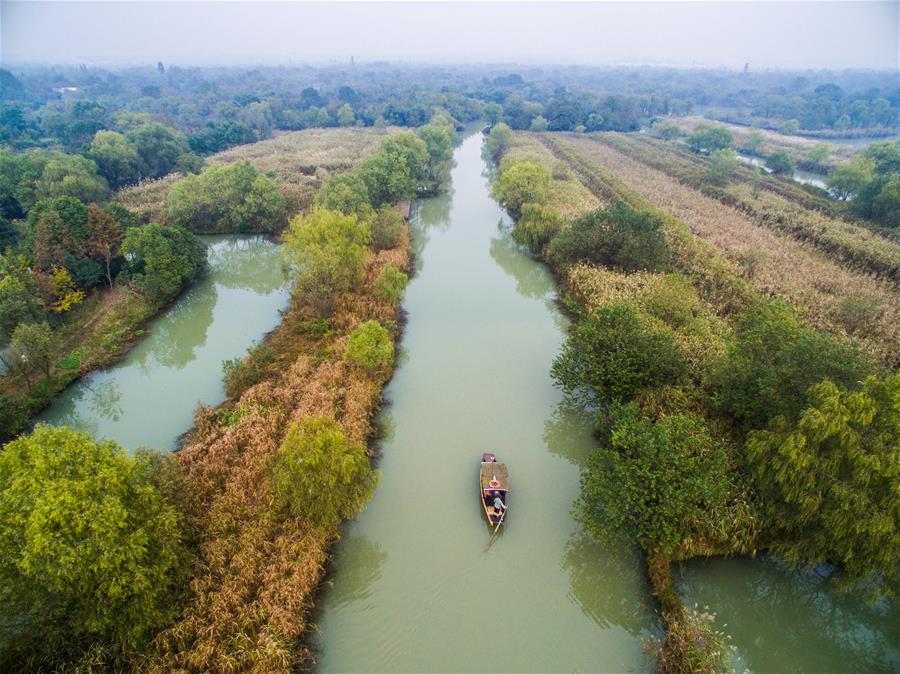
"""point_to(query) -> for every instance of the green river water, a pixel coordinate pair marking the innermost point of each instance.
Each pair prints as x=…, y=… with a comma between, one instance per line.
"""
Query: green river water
x=412, y=588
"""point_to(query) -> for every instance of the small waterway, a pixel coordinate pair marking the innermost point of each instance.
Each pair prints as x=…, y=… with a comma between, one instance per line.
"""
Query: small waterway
x=148, y=399
x=800, y=176
x=413, y=589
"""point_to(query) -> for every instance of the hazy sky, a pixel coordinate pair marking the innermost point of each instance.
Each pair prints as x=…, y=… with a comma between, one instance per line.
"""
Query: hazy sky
x=767, y=34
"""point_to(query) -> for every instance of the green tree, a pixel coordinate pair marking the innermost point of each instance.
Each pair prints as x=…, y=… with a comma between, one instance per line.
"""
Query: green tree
x=616, y=236
x=818, y=153
x=70, y=175
x=709, y=138
x=438, y=138
x=53, y=242
x=90, y=552
x=320, y=475
x=754, y=142
x=158, y=146
x=538, y=124
x=781, y=163
x=387, y=228
x=536, y=226
x=390, y=284
x=614, y=352
x=371, y=346
x=519, y=182
x=498, y=140
x=35, y=345
x=227, y=198
x=829, y=479
x=663, y=128
x=327, y=250
x=19, y=300
x=493, y=112
x=852, y=178
x=790, y=127
x=388, y=178
x=346, y=193
x=116, y=158
x=345, y=116
x=666, y=484
x=162, y=261
x=772, y=360
x=886, y=205
x=722, y=165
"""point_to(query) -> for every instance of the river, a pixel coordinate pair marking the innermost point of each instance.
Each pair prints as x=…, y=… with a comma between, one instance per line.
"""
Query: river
x=148, y=398
x=412, y=588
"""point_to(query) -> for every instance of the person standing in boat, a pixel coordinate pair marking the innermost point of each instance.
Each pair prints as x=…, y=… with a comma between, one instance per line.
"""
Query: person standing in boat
x=499, y=505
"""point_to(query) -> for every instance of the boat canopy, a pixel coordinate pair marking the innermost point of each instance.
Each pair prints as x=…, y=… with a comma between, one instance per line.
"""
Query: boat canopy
x=494, y=477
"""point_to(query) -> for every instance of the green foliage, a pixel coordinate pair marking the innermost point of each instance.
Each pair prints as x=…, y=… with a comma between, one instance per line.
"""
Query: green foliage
x=538, y=124
x=709, y=138
x=18, y=295
x=772, y=360
x=666, y=483
x=790, y=127
x=872, y=180
x=536, y=225
x=242, y=373
x=157, y=145
x=345, y=116
x=70, y=175
x=388, y=178
x=390, y=284
x=519, y=182
x=662, y=128
x=438, y=137
x=327, y=250
x=829, y=480
x=387, y=228
x=754, y=142
x=227, y=198
x=616, y=236
x=371, y=346
x=35, y=345
x=615, y=352
x=321, y=476
x=722, y=165
x=498, y=141
x=850, y=179
x=162, y=261
x=346, y=193
x=89, y=551
x=781, y=163
x=818, y=153
x=116, y=158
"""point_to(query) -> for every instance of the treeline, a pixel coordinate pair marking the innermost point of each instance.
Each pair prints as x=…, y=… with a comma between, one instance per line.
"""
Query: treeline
x=725, y=425
x=208, y=558
x=215, y=108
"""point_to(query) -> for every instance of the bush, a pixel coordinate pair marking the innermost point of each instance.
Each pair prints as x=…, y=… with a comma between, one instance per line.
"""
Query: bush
x=663, y=483
x=616, y=236
x=319, y=475
x=90, y=550
x=346, y=193
x=614, y=352
x=242, y=373
x=230, y=198
x=829, y=480
x=709, y=138
x=390, y=284
x=498, y=141
x=371, y=346
x=536, y=226
x=387, y=228
x=781, y=163
x=519, y=182
x=770, y=363
x=328, y=252
x=722, y=165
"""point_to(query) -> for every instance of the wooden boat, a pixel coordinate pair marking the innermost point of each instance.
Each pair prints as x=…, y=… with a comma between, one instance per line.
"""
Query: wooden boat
x=493, y=481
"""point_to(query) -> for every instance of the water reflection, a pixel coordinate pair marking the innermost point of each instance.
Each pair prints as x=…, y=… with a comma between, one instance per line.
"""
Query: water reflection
x=177, y=339
x=428, y=214
x=793, y=621
x=568, y=432
x=360, y=561
x=106, y=399
x=247, y=264
x=532, y=280
x=590, y=566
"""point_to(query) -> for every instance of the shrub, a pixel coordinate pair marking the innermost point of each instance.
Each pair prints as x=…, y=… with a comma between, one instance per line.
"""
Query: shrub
x=662, y=483
x=722, y=165
x=781, y=163
x=614, y=352
x=387, y=228
x=371, y=346
x=90, y=551
x=709, y=138
x=519, y=182
x=616, y=236
x=498, y=141
x=162, y=261
x=328, y=252
x=770, y=363
x=229, y=198
x=536, y=226
x=390, y=284
x=346, y=193
x=829, y=480
x=665, y=129
x=319, y=475
x=242, y=373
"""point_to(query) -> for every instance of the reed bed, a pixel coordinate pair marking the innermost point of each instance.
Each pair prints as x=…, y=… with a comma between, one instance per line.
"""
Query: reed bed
x=257, y=568
x=771, y=263
x=299, y=160
x=855, y=246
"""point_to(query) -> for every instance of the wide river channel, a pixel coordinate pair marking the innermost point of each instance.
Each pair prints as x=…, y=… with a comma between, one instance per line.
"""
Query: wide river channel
x=412, y=588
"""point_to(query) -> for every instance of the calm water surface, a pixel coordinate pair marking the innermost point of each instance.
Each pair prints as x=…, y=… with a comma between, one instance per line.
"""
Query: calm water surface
x=148, y=399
